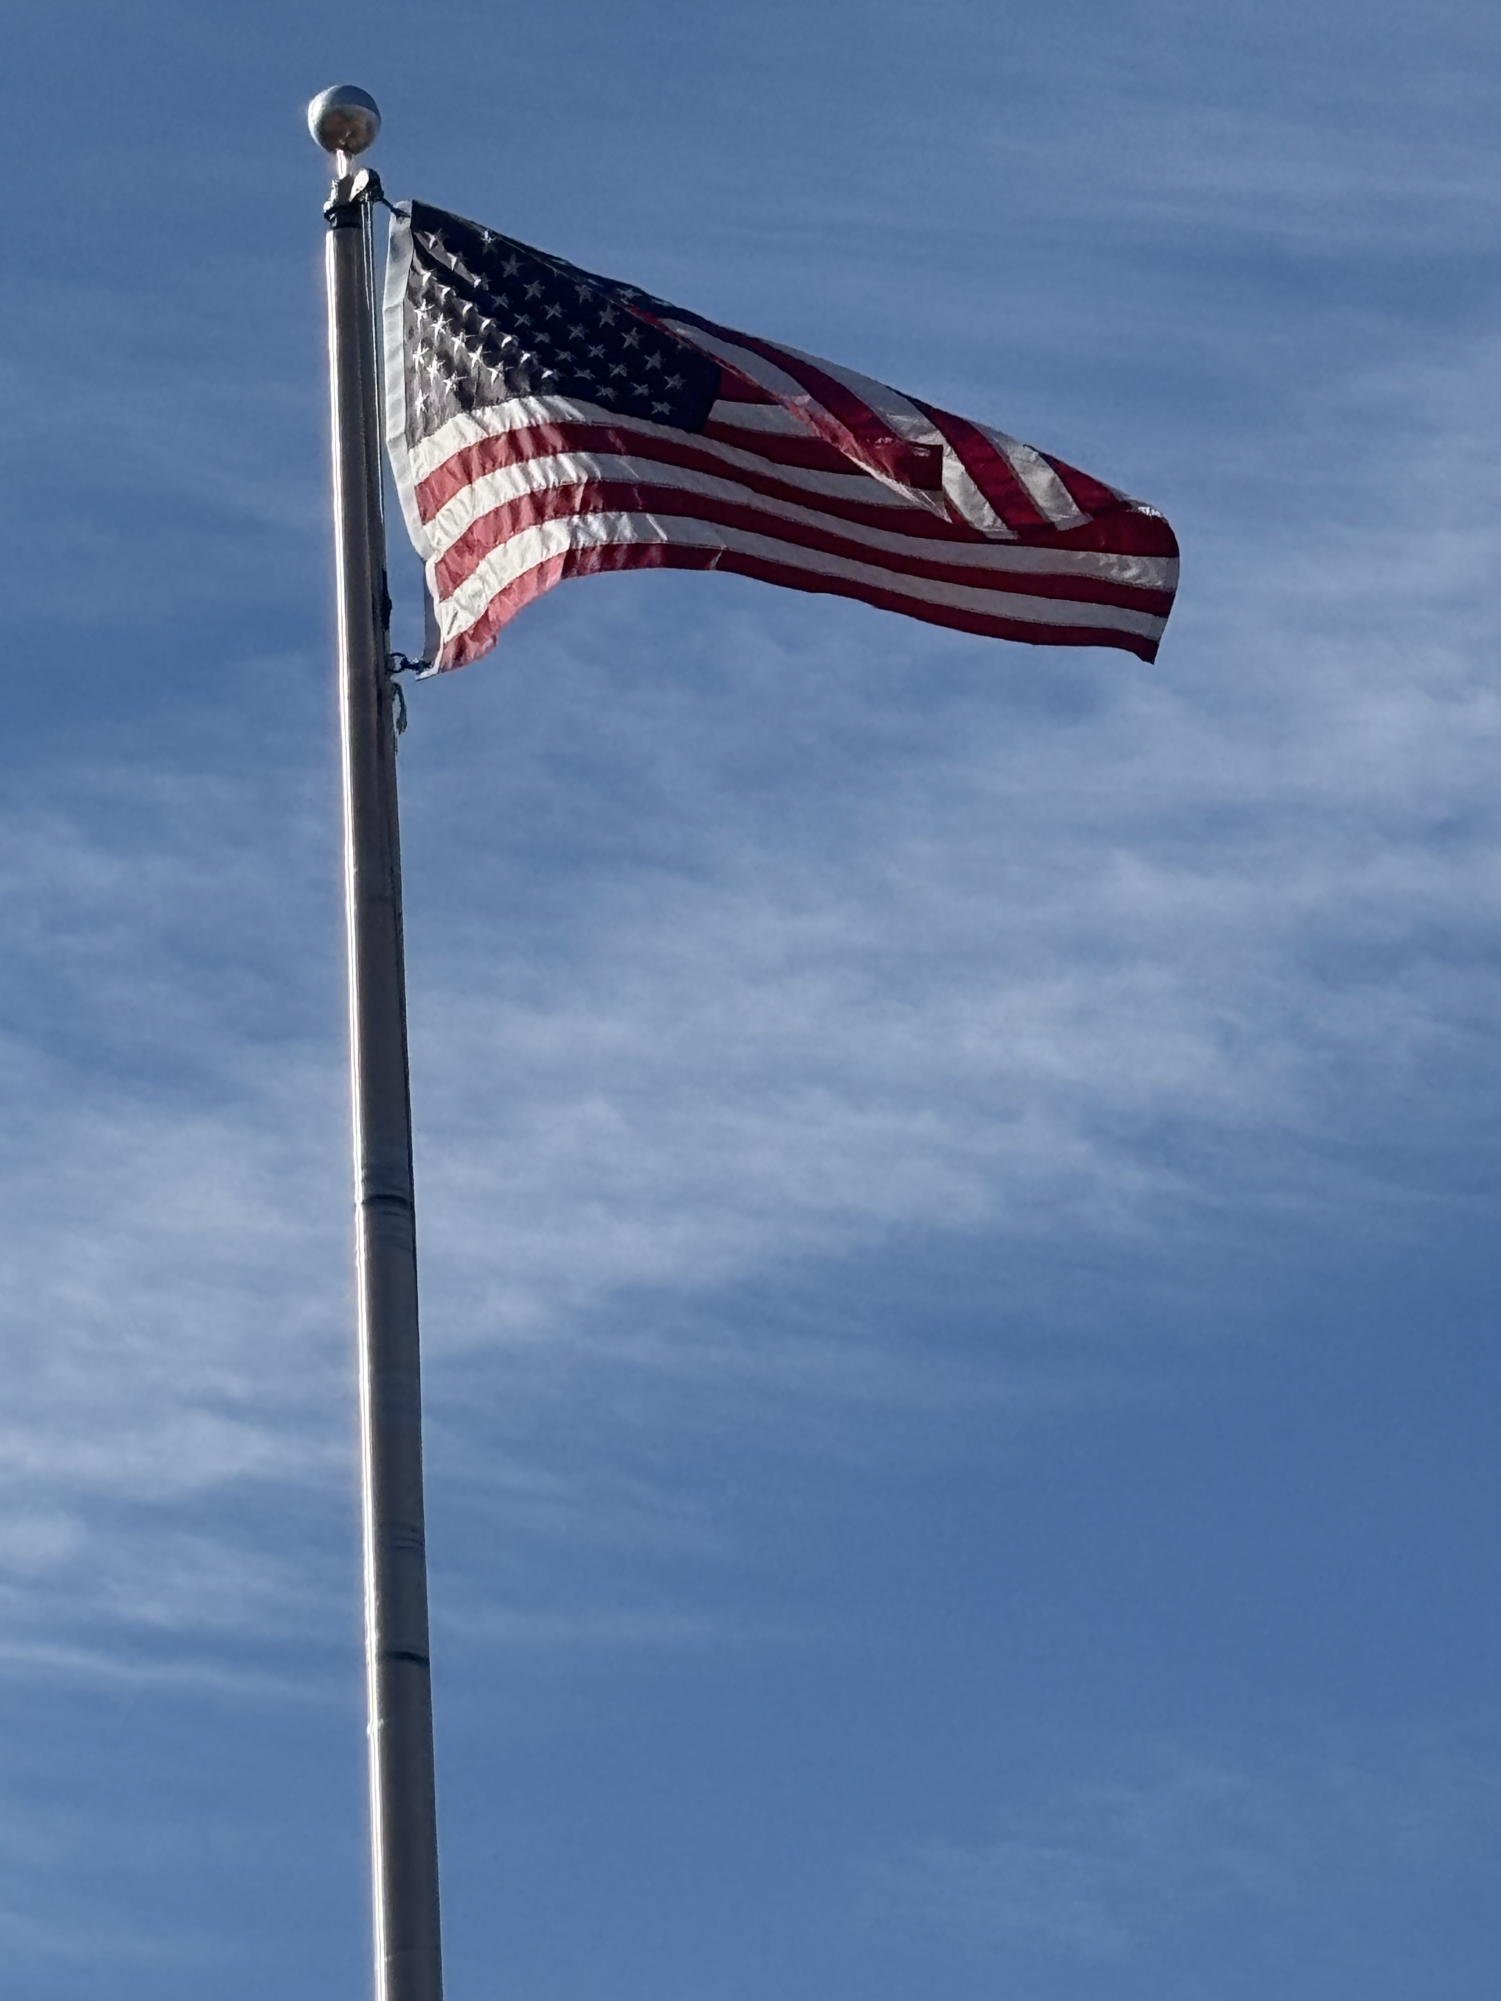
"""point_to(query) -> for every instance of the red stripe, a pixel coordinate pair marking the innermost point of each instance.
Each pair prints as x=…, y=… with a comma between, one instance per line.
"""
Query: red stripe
x=647, y=556
x=1124, y=531
x=507, y=448
x=855, y=427
x=991, y=471
x=1091, y=496
x=734, y=387
x=528, y=510
x=808, y=453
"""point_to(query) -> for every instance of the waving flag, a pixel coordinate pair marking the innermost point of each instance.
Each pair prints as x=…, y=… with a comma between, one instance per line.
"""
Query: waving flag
x=544, y=423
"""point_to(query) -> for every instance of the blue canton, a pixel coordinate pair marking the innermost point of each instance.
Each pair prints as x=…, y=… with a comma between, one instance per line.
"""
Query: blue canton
x=488, y=319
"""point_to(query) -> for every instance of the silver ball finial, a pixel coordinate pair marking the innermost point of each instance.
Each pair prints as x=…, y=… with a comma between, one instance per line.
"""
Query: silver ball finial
x=344, y=120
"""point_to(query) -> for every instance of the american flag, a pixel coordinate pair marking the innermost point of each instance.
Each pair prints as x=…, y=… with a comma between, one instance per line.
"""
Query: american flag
x=543, y=423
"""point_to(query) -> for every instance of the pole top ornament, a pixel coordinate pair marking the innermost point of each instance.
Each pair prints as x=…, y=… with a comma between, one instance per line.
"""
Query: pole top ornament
x=344, y=119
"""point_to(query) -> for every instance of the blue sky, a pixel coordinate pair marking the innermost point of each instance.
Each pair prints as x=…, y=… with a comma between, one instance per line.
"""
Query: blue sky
x=956, y=1183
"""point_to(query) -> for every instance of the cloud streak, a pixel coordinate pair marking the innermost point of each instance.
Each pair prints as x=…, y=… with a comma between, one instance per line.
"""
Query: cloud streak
x=852, y=947
x=1142, y=1864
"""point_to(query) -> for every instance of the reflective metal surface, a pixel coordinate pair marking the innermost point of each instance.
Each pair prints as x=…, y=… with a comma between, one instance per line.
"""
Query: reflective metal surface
x=344, y=119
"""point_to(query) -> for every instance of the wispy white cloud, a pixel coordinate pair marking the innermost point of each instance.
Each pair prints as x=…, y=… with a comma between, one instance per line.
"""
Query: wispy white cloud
x=1103, y=1870
x=828, y=948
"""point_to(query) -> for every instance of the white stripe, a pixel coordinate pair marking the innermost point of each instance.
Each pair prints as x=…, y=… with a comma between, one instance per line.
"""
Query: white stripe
x=889, y=404
x=553, y=474
x=765, y=374
x=1045, y=489
x=758, y=417
x=534, y=546
x=521, y=413
x=969, y=503
x=517, y=413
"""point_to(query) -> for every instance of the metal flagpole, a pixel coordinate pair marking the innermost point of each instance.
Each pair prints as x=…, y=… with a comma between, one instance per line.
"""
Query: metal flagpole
x=403, y=1818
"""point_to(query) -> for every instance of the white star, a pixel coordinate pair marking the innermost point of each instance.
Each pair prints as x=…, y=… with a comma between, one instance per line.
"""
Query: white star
x=633, y=337
x=653, y=361
x=605, y=389
x=555, y=312
x=511, y=266
x=661, y=409
x=534, y=289
x=607, y=317
x=673, y=382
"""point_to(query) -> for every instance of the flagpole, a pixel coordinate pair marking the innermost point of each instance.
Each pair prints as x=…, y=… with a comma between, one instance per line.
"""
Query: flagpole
x=403, y=1817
